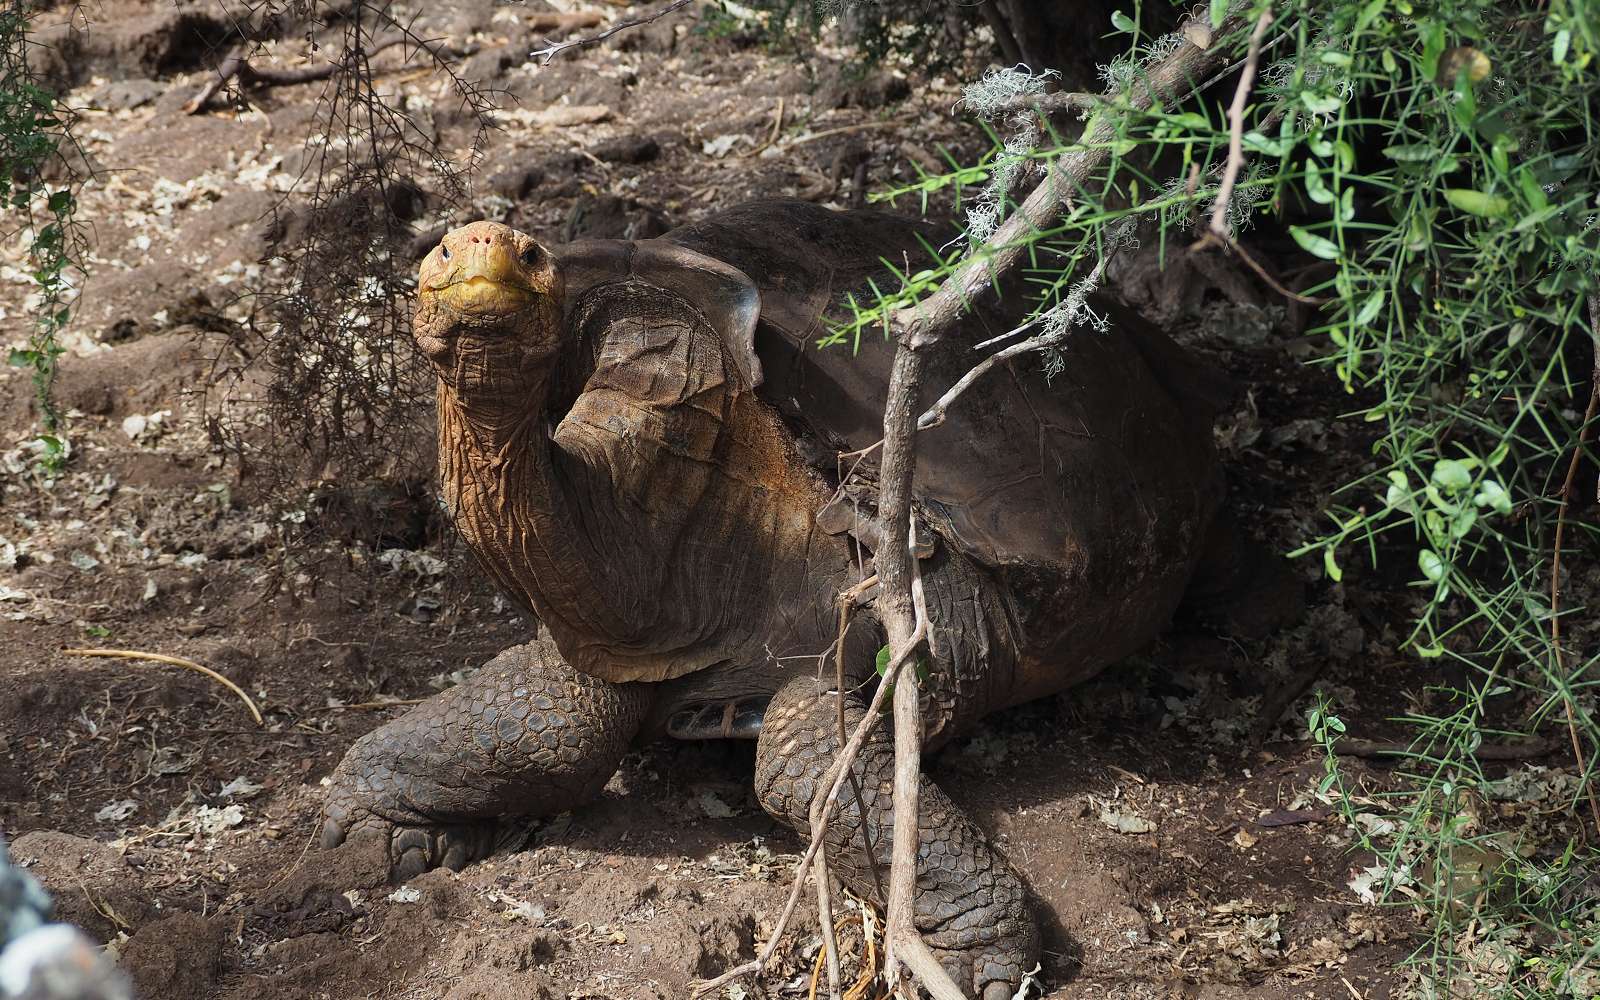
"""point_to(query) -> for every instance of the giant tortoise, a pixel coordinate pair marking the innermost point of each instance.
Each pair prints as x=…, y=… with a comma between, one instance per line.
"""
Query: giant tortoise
x=640, y=441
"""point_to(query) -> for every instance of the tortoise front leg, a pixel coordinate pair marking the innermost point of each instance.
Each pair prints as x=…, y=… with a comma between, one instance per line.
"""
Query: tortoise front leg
x=970, y=905
x=525, y=735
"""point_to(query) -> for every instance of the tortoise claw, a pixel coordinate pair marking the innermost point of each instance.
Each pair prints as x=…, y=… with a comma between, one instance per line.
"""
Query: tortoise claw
x=414, y=846
x=997, y=991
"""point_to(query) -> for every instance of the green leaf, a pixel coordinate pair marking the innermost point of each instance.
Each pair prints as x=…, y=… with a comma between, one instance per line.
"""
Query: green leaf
x=1476, y=202
x=22, y=358
x=883, y=661
x=1452, y=475
x=1431, y=565
x=1492, y=494
x=1320, y=104
x=1398, y=495
x=1369, y=13
x=1412, y=153
x=1531, y=190
x=1331, y=565
x=1123, y=22
x=1558, y=50
x=1255, y=142
x=1315, y=189
x=1369, y=309
x=1219, y=13
x=1432, y=47
x=1319, y=246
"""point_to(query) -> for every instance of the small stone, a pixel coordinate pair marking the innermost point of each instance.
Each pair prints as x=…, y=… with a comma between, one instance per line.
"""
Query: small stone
x=628, y=149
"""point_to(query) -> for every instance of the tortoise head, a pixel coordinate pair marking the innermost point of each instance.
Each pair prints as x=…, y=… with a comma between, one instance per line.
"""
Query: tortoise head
x=488, y=309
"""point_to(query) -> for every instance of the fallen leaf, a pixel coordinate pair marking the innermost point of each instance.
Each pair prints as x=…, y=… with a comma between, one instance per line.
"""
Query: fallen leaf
x=1125, y=822
x=115, y=812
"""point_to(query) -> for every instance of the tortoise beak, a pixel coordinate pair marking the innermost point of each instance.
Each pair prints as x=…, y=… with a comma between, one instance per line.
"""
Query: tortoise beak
x=481, y=276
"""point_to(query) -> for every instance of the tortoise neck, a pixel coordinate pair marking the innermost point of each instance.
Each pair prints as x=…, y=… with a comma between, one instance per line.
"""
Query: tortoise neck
x=523, y=506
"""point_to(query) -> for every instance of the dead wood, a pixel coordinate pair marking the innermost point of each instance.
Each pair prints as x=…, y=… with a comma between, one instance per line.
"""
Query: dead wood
x=237, y=68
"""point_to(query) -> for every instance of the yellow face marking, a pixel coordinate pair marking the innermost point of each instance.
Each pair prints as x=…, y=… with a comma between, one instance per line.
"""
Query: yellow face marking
x=484, y=269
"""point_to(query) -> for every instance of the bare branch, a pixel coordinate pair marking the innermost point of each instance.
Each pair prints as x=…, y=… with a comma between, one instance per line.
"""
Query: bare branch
x=1047, y=104
x=913, y=951
x=1176, y=76
x=905, y=944
x=830, y=937
x=834, y=781
x=1230, y=172
x=900, y=605
x=553, y=49
x=934, y=415
x=236, y=66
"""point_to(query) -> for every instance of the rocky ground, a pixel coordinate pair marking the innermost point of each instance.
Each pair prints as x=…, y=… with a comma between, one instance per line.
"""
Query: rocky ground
x=1166, y=823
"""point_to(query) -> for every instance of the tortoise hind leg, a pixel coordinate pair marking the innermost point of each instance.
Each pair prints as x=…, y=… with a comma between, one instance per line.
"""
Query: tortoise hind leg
x=1241, y=587
x=525, y=735
x=970, y=906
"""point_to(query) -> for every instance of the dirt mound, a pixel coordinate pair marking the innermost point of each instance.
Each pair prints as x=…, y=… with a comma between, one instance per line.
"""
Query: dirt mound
x=176, y=957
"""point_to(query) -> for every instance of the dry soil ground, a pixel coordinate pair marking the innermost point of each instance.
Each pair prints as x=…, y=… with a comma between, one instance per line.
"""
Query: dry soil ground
x=1167, y=830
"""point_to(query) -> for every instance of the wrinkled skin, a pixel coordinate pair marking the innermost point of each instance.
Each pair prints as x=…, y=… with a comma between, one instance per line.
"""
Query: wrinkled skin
x=636, y=440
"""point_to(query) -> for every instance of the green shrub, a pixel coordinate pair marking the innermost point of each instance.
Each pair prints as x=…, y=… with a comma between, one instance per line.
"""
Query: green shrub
x=1437, y=165
x=35, y=128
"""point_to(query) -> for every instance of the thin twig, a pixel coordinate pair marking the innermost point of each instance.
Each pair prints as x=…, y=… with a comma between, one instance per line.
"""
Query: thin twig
x=834, y=780
x=553, y=49
x=177, y=661
x=1045, y=104
x=1555, y=562
x=830, y=937
x=1262, y=273
x=841, y=130
x=367, y=706
x=772, y=137
x=934, y=415
x=1230, y=171
x=905, y=944
x=237, y=66
x=847, y=610
x=1531, y=750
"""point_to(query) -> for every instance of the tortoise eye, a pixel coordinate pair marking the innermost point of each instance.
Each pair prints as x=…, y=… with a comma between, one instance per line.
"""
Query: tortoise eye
x=530, y=254
x=444, y=252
